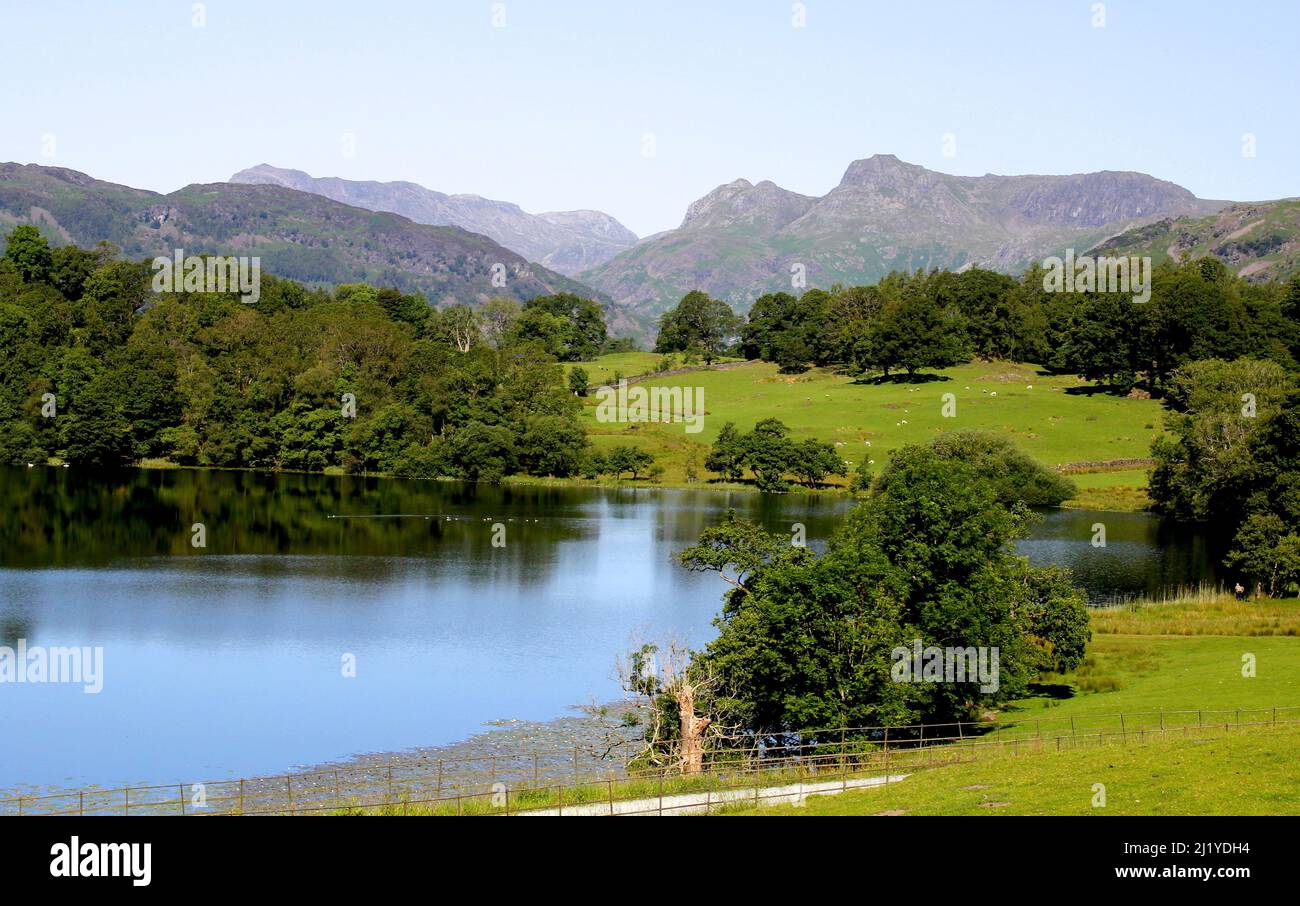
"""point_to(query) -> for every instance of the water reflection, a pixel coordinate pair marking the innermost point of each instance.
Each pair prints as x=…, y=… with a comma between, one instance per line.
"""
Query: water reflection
x=225, y=660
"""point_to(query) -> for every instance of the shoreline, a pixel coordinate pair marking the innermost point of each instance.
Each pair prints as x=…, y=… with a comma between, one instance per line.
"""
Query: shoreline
x=161, y=465
x=507, y=751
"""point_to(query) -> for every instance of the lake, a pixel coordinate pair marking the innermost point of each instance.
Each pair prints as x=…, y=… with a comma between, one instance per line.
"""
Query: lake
x=229, y=659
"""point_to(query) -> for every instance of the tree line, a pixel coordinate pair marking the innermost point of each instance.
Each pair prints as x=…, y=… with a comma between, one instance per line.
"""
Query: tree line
x=1232, y=461
x=913, y=321
x=99, y=370
x=770, y=454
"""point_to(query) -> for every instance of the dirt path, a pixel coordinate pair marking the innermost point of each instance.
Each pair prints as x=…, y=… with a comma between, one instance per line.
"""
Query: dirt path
x=701, y=803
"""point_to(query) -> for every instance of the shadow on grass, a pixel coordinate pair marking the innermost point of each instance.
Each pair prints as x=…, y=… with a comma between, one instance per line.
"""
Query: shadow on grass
x=1095, y=389
x=902, y=379
x=1051, y=690
x=1036, y=693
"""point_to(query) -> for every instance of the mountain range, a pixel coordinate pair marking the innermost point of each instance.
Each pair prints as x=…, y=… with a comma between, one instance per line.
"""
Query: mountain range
x=737, y=242
x=564, y=241
x=744, y=239
x=298, y=235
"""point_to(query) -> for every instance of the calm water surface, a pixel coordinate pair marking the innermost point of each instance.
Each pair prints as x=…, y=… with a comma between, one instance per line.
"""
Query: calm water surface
x=227, y=660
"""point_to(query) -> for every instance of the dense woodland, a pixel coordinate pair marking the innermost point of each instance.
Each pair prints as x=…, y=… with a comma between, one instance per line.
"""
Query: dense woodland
x=99, y=370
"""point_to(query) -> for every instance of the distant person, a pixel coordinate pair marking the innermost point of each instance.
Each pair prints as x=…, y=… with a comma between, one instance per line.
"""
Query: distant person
x=1240, y=591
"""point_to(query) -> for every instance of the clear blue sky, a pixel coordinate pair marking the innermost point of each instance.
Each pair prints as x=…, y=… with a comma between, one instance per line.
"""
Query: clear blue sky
x=550, y=110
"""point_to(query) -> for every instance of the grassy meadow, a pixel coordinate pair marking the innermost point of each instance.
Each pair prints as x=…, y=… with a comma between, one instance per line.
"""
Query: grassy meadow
x=1057, y=419
x=1251, y=771
x=628, y=364
x=1176, y=664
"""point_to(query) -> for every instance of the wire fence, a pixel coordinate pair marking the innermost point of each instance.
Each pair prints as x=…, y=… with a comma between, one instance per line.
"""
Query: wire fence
x=742, y=769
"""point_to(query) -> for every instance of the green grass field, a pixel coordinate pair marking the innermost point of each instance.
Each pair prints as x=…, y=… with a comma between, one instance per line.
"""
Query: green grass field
x=1162, y=672
x=628, y=364
x=1251, y=771
x=1156, y=657
x=1056, y=419
x=1148, y=674
x=1206, y=614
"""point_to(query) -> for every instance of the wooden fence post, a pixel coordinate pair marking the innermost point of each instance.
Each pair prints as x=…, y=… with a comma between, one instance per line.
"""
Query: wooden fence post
x=886, y=756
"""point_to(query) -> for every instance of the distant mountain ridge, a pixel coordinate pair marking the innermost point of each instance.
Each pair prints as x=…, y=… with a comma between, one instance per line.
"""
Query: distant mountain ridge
x=737, y=242
x=564, y=241
x=743, y=239
x=298, y=235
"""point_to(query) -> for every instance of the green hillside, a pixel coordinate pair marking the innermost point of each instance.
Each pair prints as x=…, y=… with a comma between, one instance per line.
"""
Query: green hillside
x=1056, y=419
x=298, y=235
x=1259, y=241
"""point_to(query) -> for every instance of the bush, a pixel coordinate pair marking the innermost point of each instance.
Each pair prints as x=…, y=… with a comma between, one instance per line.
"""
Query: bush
x=1015, y=476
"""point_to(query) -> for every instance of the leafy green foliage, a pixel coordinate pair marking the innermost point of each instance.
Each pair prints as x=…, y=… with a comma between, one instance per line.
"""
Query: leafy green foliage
x=1267, y=550
x=581, y=334
x=807, y=642
x=699, y=325
x=1235, y=459
x=1017, y=477
x=29, y=253
x=579, y=383
x=1203, y=470
x=770, y=454
x=910, y=322
x=628, y=459
x=205, y=379
x=913, y=332
x=727, y=455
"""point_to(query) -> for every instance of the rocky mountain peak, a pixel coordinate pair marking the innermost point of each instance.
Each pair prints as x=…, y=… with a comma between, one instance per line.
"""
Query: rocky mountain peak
x=739, y=241
x=880, y=168
x=742, y=202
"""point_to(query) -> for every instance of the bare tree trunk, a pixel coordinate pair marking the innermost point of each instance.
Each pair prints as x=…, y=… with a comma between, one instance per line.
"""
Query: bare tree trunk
x=692, y=730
